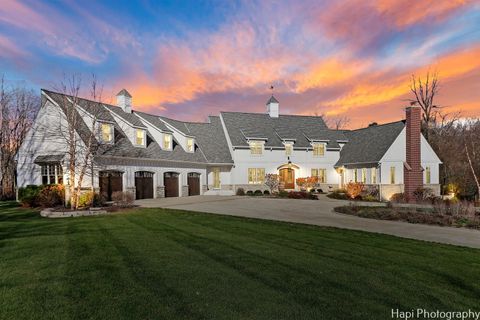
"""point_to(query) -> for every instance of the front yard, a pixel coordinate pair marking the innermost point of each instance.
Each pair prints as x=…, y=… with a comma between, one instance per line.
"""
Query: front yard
x=160, y=263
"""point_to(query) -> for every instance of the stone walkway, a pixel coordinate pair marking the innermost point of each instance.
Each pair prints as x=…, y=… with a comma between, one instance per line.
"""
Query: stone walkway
x=316, y=213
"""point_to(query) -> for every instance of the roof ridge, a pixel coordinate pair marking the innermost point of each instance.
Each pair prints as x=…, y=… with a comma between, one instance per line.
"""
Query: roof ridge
x=377, y=125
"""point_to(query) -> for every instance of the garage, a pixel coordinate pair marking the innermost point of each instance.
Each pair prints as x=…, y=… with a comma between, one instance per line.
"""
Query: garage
x=193, y=182
x=170, y=181
x=143, y=185
x=110, y=182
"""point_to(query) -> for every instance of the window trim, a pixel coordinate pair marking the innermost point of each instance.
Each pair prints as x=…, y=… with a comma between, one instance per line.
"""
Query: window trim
x=260, y=144
x=170, y=146
x=393, y=174
x=258, y=176
x=373, y=175
x=318, y=144
x=112, y=132
x=428, y=175
x=57, y=174
x=144, y=139
x=193, y=145
x=318, y=170
x=288, y=148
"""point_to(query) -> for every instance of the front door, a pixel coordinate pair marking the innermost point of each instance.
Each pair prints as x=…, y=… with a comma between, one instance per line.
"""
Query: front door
x=287, y=178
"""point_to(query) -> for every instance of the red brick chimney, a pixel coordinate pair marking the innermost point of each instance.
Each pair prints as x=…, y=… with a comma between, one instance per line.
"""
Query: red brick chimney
x=413, y=172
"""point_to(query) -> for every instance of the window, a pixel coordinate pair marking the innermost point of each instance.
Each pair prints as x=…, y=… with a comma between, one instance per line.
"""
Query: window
x=52, y=174
x=428, y=175
x=392, y=175
x=373, y=177
x=355, y=175
x=364, y=175
x=256, y=147
x=167, y=141
x=318, y=149
x=190, y=145
x=288, y=148
x=216, y=178
x=321, y=174
x=256, y=175
x=140, y=137
x=106, y=132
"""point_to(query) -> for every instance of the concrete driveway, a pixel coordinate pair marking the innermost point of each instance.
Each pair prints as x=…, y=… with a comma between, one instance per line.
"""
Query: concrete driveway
x=316, y=213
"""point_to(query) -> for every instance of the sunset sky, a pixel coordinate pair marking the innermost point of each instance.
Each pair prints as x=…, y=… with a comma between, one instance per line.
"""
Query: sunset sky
x=190, y=59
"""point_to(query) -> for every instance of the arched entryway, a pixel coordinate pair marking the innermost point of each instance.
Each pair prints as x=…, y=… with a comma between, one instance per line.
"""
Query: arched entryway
x=143, y=185
x=110, y=181
x=170, y=181
x=193, y=181
x=286, y=175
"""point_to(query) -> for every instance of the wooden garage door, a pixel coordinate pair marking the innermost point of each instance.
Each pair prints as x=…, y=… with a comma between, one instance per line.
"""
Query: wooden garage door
x=144, y=185
x=110, y=182
x=193, y=184
x=170, y=181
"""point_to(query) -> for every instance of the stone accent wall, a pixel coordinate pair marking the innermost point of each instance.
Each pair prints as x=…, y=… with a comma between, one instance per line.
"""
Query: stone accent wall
x=413, y=174
x=387, y=190
x=160, y=192
x=184, y=191
x=204, y=188
x=132, y=190
x=251, y=187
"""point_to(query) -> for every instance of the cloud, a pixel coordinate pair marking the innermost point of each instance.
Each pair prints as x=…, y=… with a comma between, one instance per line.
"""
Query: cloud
x=8, y=49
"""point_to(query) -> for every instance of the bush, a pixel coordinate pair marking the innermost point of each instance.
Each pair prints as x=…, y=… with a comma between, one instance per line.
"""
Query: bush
x=423, y=194
x=249, y=193
x=240, y=192
x=266, y=192
x=283, y=194
x=320, y=191
x=51, y=195
x=86, y=199
x=397, y=197
x=301, y=195
x=339, y=194
x=28, y=195
x=369, y=198
x=123, y=199
x=258, y=193
x=354, y=189
x=98, y=200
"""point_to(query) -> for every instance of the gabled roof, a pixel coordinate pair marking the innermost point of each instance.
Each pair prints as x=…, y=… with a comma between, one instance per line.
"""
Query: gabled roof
x=154, y=120
x=124, y=92
x=130, y=118
x=302, y=129
x=272, y=100
x=177, y=124
x=368, y=145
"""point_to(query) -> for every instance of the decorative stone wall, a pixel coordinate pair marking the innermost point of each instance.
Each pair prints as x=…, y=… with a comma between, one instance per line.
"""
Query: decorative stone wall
x=387, y=190
x=160, y=192
x=132, y=190
x=184, y=191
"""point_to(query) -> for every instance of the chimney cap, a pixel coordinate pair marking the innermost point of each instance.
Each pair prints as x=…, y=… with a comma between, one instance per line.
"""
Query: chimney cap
x=272, y=100
x=124, y=92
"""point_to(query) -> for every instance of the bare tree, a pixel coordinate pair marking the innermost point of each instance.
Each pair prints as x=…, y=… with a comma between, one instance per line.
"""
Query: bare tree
x=18, y=107
x=424, y=91
x=337, y=122
x=80, y=137
x=471, y=142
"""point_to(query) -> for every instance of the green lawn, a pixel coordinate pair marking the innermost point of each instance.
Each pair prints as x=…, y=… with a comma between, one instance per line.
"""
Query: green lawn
x=160, y=264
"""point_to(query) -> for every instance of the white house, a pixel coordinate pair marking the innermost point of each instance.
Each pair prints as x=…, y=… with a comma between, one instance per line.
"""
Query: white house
x=154, y=156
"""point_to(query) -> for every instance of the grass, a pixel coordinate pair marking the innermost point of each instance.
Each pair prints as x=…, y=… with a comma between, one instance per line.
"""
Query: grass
x=164, y=264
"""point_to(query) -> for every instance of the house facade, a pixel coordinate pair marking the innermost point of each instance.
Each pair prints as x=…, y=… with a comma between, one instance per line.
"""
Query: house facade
x=155, y=156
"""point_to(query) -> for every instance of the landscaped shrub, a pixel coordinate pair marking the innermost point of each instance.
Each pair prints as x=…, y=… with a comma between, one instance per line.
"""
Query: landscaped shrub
x=339, y=194
x=306, y=183
x=397, y=197
x=283, y=194
x=423, y=194
x=51, y=195
x=301, y=195
x=249, y=193
x=369, y=198
x=354, y=189
x=272, y=181
x=240, y=192
x=320, y=191
x=266, y=192
x=258, y=193
x=86, y=199
x=28, y=195
x=98, y=200
x=123, y=199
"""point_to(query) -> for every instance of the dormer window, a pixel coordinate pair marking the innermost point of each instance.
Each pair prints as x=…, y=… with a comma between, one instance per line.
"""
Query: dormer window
x=140, y=137
x=106, y=132
x=256, y=147
x=167, y=141
x=190, y=145
x=318, y=149
x=288, y=148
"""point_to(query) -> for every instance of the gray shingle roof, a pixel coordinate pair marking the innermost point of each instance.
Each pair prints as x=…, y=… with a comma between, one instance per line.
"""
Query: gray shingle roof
x=51, y=158
x=124, y=92
x=179, y=125
x=368, y=145
x=154, y=120
x=303, y=129
x=272, y=100
x=130, y=118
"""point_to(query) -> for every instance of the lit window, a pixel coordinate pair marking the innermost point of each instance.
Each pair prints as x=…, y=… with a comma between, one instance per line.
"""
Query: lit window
x=106, y=132
x=355, y=175
x=373, y=175
x=364, y=175
x=256, y=175
x=52, y=174
x=321, y=174
x=216, y=178
x=392, y=175
x=256, y=147
x=288, y=148
x=167, y=141
x=318, y=149
x=427, y=175
x=190, y=145
x=140, y=137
